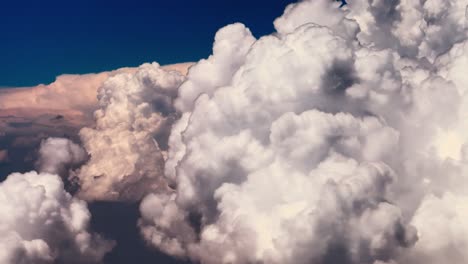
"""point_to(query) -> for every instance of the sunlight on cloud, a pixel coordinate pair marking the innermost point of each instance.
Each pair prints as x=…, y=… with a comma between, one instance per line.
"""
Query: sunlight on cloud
x=337, y=139
x=449, y=144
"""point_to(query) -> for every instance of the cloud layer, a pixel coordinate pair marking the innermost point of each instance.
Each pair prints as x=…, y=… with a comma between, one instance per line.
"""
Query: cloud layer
x=73, y=96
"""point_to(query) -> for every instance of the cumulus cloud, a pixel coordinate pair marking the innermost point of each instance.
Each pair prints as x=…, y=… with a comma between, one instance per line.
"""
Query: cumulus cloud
x=128, y=144
x=56, y=155
x=441, y=221
x=338, y=139
x=231, y=44
x=41, y=223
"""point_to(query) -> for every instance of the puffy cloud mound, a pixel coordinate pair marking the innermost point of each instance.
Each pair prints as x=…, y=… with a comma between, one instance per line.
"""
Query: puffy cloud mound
x=41, y=223
x=127, y=146
x=338, y=139
x=441, y=221
x=420, y=29
x=56, y=155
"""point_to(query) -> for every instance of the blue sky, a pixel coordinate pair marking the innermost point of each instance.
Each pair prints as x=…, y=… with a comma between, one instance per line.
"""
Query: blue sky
x=43, y=39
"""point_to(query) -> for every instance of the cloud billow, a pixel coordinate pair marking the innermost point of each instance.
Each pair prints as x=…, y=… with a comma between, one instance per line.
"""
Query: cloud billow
x=326, y=142
x=128, y=143
x=340, y=138
x=42, y=223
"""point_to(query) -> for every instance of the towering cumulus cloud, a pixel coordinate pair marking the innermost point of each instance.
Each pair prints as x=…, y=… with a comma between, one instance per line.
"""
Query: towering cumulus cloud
x=128, y=144
x=338, y=139
x=41, y=223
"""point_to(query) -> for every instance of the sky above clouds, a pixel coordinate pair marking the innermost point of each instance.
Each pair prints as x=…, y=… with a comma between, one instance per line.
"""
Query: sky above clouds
x=43, y=39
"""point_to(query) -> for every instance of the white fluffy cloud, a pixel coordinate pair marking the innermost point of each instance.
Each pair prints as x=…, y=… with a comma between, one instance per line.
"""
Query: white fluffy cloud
x=339, y=139
x=441, y=223
x=41, y=223
x=127, y=146
x=56, y=155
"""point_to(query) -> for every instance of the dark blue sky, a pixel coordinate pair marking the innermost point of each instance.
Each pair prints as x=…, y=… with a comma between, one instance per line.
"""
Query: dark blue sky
x=42, y=39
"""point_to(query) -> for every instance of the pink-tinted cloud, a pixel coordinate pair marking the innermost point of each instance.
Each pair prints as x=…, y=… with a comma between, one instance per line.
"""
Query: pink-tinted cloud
x=72, y=94
x=65, y=105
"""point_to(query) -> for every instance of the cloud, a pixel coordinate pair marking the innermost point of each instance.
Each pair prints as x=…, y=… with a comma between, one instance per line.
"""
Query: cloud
x=340, y=138
x=128, y=144
x=30, y=115
x=231, y=44
x=72, y=96
x=444, y=231
x=236, y=160
x=56, y=155
x=325, y=142
x=41, y=223
x=69, y=93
